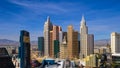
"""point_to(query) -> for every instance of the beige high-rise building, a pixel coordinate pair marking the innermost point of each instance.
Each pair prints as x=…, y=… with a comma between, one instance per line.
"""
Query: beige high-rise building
x=63, y=49
x=56, y=32
x=75, y=44
x=115, y=42
x=90, y=41
x=72, y=42
x=90, y=61
x=54, y=35
x=60, y=35
x=51, y=44
x=86, y=40
x=47, y=29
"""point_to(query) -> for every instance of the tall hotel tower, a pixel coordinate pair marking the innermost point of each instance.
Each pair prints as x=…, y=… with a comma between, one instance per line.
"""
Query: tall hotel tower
x=24, y=49
x=72, y=42
x=54, y=36
x=47, y=28
x=115, y=42
x=63, y=49
x=86, y=40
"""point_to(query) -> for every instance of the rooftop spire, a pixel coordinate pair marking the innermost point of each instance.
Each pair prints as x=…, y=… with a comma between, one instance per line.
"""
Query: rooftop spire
x=48, y=19
x=83, y=20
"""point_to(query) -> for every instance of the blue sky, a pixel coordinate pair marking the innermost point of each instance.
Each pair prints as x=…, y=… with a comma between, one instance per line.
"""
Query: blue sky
x=102, y=16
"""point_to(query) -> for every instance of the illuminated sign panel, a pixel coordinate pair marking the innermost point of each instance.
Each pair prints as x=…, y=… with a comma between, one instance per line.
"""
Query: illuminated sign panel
x=26, y=39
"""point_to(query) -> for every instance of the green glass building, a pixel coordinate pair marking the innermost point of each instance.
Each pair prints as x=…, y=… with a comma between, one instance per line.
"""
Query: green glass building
x=41, y=45
x=56, y=48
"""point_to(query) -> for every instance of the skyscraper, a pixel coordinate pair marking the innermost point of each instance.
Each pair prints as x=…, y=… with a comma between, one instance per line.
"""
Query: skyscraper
x=75, y=44
x=41, y=45
x=86, y=40
x=115, y=42
x=72, y=42
x=60, y=35
x=47, y=28
x=56, y=48
x=83, y=38
x=54, y=35
x=64, y=35
x=90, y=44
x=79, y=43
x=24, y=52
x=56, y=32
x=51, y=54
x=63, y=49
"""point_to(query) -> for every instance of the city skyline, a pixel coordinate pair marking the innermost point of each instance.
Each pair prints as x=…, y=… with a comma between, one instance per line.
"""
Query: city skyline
x=102, y=17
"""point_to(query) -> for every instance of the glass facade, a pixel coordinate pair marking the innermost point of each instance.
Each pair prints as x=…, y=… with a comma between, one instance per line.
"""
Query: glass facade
x=24, y=53
x=56, y=48
x=41, y=45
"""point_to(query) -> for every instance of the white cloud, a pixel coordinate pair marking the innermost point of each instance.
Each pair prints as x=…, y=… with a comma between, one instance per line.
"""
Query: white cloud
x=51, y=7
x=41, y=7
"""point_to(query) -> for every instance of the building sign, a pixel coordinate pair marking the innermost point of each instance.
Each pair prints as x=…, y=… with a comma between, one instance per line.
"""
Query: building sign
x=26, y=39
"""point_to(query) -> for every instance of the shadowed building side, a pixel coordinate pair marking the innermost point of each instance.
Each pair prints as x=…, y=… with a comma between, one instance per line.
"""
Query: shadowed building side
x=5, y=59
x=72, y=42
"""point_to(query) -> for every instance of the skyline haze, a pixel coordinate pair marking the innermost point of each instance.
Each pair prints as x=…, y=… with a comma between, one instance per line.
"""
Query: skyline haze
x=102, y=17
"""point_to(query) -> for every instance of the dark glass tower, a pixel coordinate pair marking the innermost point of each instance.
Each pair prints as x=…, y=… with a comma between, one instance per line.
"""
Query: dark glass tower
x=41, y=45
x=56, y=48
x=24, y=52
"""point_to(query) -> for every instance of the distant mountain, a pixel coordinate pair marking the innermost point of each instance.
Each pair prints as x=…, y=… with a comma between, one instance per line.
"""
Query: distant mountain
x=8, y=42
x=34, y=43
x=102, y=42
x=4, y=42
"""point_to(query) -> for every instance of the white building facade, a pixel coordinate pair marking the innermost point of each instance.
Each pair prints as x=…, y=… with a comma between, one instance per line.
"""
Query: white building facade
x=115, y=42
x=86, y=40
x=47, y=28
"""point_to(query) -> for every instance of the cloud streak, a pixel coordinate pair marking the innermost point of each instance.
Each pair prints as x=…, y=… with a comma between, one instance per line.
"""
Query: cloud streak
x=31, y=15
x=41, y=7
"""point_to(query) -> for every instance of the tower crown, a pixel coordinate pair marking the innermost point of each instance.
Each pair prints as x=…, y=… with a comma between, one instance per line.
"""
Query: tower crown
x=83, y=22
x=64, y=40
x=48, y=19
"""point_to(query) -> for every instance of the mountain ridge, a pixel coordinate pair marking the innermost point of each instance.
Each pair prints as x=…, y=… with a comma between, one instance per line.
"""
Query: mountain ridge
x=101, y=42
x=4, y=42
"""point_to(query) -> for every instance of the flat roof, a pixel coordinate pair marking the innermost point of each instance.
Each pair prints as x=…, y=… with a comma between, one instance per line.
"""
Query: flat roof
x=117, y=54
